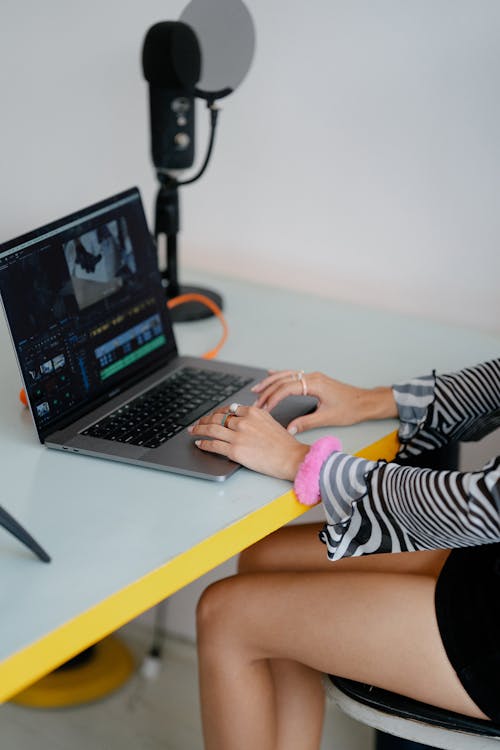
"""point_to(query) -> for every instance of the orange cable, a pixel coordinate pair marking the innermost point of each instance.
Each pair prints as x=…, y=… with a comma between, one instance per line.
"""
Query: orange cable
x=194, y=297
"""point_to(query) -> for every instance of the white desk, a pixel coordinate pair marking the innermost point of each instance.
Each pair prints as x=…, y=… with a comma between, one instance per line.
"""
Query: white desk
x=121, y=537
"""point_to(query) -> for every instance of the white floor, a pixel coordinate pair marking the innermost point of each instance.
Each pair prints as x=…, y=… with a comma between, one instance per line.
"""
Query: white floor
x=147, y=714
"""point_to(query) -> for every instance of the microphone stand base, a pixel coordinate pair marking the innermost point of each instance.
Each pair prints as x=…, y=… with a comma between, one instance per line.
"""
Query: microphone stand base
x=190, y=311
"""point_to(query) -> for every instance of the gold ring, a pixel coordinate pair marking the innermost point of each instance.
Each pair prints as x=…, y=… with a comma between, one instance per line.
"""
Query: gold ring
x=304, y=385
x=226, y=418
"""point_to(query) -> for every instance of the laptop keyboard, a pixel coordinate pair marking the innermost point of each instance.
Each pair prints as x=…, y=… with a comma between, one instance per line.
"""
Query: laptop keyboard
x=161, y=412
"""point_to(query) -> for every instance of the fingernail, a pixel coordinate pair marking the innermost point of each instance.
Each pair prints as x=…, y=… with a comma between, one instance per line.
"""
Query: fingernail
x=254, y=388
x=197, y=442
x=292, y=430
x=191, y=428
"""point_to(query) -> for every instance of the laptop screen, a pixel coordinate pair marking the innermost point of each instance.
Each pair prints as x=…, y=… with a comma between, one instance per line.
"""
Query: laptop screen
x=85, y=306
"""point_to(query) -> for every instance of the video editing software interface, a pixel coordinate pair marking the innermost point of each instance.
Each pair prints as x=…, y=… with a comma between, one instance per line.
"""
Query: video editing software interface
x=84, y=305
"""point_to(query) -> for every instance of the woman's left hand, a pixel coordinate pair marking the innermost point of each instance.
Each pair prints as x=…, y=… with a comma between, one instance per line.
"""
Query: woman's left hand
x=252, y=437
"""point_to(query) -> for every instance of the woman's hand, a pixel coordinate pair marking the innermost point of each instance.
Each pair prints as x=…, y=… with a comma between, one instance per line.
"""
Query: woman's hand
x=338, y=403
x=251, y=437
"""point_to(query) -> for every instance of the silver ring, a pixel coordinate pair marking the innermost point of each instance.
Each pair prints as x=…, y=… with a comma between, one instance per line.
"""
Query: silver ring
x=233, y=408
x=304, y=386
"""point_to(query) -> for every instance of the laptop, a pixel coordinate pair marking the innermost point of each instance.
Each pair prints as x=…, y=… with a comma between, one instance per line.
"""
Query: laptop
x=85, y=306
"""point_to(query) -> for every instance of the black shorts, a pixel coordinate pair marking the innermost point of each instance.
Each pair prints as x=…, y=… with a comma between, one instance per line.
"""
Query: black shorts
x=468, y=614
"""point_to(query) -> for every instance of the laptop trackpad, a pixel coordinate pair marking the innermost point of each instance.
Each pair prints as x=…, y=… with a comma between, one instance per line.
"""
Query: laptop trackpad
x=292, y=407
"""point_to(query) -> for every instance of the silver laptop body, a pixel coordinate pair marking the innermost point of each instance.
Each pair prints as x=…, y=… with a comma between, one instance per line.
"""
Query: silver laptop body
x=86, y=312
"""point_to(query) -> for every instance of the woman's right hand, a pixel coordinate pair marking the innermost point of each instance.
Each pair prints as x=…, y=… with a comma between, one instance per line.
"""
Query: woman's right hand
x=339, y=404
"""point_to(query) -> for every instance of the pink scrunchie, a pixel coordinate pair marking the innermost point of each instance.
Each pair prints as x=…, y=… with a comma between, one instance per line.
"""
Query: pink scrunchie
x=306, y=483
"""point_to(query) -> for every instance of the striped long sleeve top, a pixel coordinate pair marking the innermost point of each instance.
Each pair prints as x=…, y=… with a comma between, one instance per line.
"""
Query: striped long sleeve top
x=374, y=507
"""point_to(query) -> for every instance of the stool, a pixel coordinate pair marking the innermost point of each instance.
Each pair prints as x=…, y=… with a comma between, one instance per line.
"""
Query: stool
x=417, y=725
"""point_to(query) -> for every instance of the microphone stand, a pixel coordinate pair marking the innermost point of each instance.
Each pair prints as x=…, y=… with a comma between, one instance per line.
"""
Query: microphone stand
x=167, y=223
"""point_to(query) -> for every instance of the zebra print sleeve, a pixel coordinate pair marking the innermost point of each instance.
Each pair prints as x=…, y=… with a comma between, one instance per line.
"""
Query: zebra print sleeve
x=342, y=481
x=441, y=409
x=406, y=509
x=373, y=508
x=413, y=400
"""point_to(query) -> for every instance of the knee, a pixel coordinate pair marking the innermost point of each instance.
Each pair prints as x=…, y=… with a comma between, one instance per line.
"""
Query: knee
x=215, y=610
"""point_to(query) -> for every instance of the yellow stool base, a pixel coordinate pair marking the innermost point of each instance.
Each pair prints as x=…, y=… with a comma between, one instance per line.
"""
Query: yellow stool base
x=109, y=666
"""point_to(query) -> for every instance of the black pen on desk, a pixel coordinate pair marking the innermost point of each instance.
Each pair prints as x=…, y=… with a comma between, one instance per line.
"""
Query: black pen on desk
x=15, y=528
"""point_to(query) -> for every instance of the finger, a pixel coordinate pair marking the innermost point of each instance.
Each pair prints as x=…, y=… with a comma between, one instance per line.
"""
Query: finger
x=221, y=423
x=307, y=385
x=279, y=375
x=216, y=416
x=301, y=424
x=215, y=446
x=292, y=388
x=214, y=431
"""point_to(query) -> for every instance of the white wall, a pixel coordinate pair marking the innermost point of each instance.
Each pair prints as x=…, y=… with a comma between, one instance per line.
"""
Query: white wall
x=360, y=158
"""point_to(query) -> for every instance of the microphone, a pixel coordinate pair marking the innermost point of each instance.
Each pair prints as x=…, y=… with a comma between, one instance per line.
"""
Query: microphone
x=171, y=61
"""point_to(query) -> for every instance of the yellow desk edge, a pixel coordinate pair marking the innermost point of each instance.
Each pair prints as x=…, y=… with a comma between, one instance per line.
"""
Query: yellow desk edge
x=31, y=663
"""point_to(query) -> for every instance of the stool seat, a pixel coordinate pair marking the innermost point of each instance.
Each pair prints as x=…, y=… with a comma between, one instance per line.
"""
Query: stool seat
x=412, y=720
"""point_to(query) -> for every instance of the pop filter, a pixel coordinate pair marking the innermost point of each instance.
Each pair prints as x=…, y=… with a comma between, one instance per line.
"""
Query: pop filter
x=226, y=34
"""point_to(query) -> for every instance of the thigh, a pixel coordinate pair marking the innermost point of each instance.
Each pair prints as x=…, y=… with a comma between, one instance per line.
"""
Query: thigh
x=378, y=628
x=297, y=548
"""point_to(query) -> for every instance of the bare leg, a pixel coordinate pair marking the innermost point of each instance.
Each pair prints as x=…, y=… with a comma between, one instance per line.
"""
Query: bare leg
x=299, y=698
x=264, y=639
x=296, y=547
x=298, y=688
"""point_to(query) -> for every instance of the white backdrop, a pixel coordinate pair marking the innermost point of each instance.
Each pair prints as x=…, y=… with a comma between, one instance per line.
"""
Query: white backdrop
x=360, y=158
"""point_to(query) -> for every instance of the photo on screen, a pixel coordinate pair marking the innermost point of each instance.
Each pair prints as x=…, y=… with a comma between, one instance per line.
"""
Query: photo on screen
x=99, y=262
